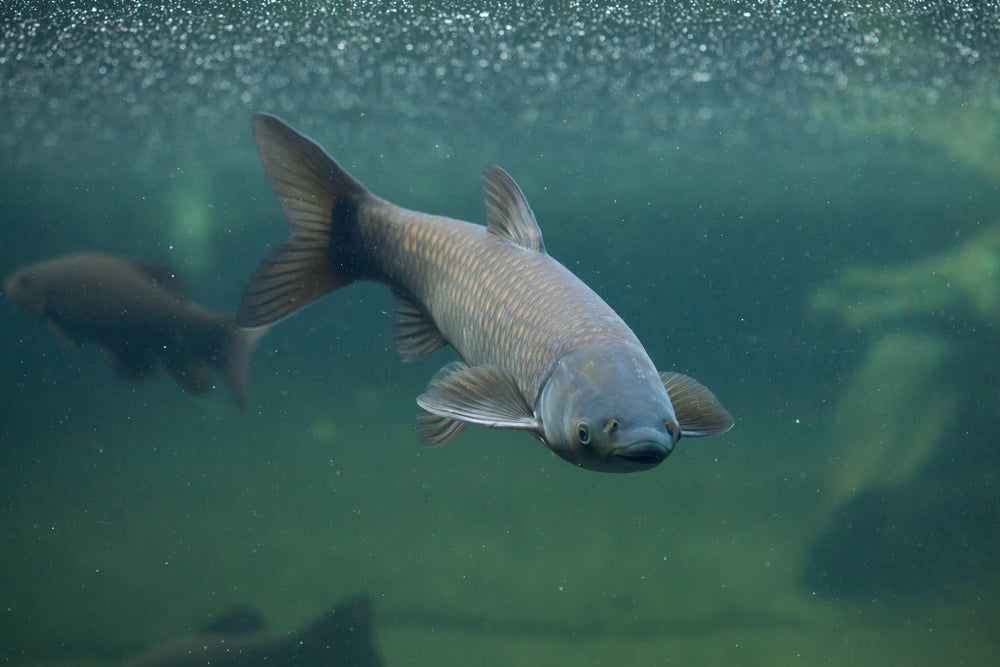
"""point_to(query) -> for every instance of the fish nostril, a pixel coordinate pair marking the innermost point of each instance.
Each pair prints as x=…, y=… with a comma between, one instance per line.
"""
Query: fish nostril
x=673, y=430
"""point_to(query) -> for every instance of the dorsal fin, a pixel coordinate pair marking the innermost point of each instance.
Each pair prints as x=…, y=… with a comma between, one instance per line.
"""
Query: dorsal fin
x=507, y=212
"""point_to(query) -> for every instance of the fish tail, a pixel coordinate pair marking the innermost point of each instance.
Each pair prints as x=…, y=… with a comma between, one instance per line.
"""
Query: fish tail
x=234, y=356
x=321, y=202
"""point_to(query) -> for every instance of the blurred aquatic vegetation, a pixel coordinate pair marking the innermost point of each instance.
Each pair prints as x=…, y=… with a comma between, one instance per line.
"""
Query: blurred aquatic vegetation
x=963, y=121
x=910, y=495
x=962, y=283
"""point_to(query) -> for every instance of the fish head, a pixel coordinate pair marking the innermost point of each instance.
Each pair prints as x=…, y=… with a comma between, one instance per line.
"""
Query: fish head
x=607, y=410
x=25, y=288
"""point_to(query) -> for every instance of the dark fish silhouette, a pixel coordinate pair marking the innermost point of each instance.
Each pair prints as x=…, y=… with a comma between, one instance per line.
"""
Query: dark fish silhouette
x=542, y=352
x=136, y=311
x=340, y=638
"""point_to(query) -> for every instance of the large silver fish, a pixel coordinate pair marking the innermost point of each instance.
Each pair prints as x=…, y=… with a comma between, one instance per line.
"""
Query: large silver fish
x=542, y=352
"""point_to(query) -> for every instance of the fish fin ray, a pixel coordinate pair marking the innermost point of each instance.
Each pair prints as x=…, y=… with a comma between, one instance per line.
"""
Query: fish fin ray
x=434, y=430
x=321, y=203
x=485, y=395
x=698, y=411
x=290, y=277
x=308, y=183
x=507, y=212
x=415, y=334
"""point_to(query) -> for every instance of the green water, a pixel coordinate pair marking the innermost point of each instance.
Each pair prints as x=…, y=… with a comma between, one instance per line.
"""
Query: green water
x=709, y=169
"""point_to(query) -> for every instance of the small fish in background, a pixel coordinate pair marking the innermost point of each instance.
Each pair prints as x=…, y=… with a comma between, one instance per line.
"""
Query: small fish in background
x=137, y=312
x=341, y=637
x=541, y=352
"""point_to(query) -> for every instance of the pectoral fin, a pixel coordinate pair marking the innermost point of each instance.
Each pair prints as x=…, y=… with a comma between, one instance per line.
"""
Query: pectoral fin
x=697, y=409
x=458, y=394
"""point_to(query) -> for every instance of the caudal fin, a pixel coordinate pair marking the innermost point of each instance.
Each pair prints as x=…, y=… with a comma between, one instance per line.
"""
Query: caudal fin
x=235, y=356
x=320, y=201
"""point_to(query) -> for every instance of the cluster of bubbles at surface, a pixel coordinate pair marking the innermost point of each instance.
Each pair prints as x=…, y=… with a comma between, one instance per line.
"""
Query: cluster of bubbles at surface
x=638, y=70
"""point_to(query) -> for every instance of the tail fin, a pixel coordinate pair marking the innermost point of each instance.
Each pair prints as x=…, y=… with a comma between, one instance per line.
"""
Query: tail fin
x=234, y=358
x=320, y=201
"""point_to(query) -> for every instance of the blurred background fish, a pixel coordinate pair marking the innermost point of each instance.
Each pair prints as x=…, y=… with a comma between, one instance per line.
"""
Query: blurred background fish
x=342, y=637
x=137, y=312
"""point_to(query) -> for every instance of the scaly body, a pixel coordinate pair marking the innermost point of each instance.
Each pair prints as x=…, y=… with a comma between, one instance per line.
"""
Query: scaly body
x=496, y=303
x=542, y=352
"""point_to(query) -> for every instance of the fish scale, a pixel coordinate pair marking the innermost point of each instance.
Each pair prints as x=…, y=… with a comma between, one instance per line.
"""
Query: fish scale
x=501, y=304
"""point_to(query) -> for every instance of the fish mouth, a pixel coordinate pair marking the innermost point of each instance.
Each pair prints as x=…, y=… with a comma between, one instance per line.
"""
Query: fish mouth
x=645, y=453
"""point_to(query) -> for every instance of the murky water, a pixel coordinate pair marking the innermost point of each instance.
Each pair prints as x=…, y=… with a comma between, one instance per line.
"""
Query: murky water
x=794, y=202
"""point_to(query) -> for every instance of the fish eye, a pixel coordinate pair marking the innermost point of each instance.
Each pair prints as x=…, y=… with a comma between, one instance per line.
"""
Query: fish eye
x=611, y=425
x=672, y=428
x=583, y=433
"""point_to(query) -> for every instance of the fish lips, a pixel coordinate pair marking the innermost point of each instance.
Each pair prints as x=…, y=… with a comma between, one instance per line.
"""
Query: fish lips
x=645, y=453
